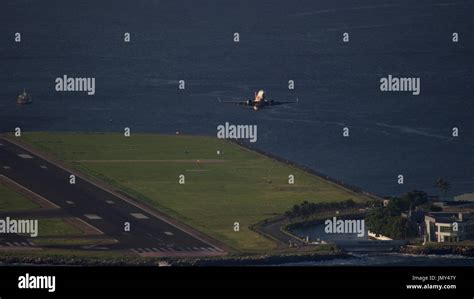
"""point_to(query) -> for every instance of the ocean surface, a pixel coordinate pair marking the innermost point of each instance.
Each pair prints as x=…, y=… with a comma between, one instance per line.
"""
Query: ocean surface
x=337, y=83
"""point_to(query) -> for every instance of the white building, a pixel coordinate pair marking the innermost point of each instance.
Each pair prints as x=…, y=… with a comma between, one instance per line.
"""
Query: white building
x=449, y=227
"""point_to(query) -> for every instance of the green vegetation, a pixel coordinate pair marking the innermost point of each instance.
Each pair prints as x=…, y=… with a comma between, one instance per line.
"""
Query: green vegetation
x=388, y=220
x=308, y=209
x=12, y=201
x=238, y=185
x=443, y=186
x=53, y=227
x=384, y=221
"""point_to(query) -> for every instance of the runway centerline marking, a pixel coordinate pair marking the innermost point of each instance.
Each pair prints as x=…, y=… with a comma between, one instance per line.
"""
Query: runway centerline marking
x=139, y=215
x=169, y=233
x=25, y=156
x=93, y=216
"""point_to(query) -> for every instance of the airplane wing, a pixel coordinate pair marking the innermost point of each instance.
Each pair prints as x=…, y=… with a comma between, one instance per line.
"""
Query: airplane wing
x=284, y=102
x=243, y=102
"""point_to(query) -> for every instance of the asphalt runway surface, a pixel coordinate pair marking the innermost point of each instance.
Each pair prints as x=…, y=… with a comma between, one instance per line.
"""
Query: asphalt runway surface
x=96, y=206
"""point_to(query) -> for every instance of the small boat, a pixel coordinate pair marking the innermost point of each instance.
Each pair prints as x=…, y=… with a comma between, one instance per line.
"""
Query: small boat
x=24, y=98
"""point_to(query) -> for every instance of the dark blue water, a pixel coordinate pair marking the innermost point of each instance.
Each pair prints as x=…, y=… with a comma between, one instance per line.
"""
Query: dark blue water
x=337, y=84
x=317, y=232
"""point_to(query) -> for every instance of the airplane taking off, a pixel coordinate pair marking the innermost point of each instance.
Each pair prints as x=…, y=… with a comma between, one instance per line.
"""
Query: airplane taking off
x=259, y=101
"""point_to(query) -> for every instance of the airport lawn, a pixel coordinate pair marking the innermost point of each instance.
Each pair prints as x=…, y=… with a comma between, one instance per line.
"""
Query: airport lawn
x=238, y=185
x=13, y=201
x=53, y=227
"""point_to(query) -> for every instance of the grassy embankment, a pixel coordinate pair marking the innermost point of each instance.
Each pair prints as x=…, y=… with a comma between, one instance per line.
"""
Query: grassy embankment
x=12, y=201
x=236, y=186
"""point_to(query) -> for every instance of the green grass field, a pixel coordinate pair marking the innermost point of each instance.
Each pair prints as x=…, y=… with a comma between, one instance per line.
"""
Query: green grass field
x=54, y=227
x=12, y=201
x=236, y=186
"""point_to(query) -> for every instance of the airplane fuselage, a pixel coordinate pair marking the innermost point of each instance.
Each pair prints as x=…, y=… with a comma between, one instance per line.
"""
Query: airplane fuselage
x=259, y=104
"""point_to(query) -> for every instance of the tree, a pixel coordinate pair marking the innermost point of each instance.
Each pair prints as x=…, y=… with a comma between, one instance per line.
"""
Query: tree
x=443, y=186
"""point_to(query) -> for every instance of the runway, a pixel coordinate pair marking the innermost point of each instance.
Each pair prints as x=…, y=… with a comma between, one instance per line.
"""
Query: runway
x=105, y=210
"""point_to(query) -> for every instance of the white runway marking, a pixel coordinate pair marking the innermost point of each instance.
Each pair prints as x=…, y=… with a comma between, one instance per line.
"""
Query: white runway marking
x=69, y=202
x=110, y=202
x=6, y=167
x=93, y=216
x=25, y=156
x=139, y=215
x=44, y=166
x=169, y=233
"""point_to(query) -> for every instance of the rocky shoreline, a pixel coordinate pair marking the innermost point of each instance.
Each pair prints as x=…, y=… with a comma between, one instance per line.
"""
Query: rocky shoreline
x=244, y=260
x=263, y=260
x=467, y=251
x=241, y=260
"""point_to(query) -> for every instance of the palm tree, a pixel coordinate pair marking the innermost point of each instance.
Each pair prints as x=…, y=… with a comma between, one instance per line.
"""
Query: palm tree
x=443, y=186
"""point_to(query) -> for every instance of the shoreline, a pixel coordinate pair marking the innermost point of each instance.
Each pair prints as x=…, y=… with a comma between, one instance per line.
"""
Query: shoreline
x=229, y=261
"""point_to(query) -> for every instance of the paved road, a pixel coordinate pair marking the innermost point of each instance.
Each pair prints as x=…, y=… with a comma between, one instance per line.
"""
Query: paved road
x=98, y=207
